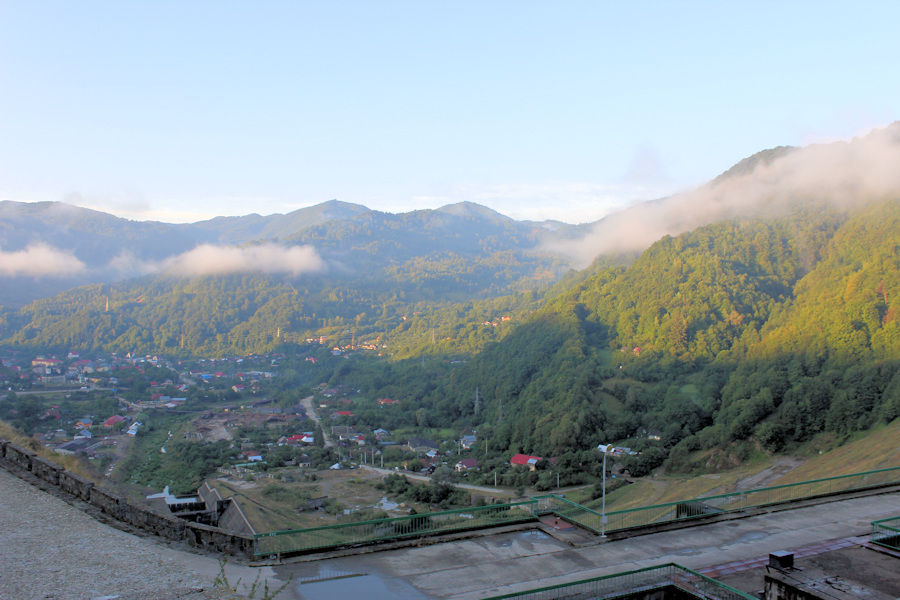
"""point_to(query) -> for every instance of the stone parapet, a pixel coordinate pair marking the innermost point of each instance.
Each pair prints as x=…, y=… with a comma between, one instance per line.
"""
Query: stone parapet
x=17, y=459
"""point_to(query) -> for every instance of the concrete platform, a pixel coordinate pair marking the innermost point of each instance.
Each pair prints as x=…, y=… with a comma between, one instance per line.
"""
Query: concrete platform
x=518, y=561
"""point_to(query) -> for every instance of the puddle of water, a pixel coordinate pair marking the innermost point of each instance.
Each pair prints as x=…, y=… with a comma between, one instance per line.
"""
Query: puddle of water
x=535, y=535
x=365, y=586
x=752, y=537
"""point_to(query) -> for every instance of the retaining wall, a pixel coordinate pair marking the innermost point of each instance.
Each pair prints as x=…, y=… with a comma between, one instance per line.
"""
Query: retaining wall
x=119, y=508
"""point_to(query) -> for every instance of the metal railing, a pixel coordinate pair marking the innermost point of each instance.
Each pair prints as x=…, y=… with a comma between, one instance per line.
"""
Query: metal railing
x=364, y=532
x=886, y=532
x=645, y=580
x=745, y=500
x=377, y=530
x=570, y=511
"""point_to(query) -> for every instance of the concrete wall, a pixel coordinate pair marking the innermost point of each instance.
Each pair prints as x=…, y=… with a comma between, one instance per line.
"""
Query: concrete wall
x=17, y=459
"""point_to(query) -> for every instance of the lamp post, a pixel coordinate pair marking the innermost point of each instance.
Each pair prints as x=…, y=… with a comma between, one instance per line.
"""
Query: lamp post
x=604, y=448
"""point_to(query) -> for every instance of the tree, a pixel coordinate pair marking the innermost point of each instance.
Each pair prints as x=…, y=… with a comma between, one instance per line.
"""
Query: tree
x=422, y=418
x=319, y=437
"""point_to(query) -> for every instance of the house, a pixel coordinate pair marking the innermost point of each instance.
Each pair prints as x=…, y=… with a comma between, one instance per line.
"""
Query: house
x=83, y=445
x=252, y=456
x=466, y=464
x=84, y=423
x=387, y=401
x=467, y=441
x=524, y=460
x=134, y=428
x=343, y=431
x=51, y=413
x=111, y=422
x=421, y=445
x=83, y=434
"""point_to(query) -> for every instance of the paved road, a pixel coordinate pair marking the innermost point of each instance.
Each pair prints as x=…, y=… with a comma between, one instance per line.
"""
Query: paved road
x=501, y=564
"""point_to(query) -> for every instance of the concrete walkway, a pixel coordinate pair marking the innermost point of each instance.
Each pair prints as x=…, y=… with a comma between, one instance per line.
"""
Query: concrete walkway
x=476, y=568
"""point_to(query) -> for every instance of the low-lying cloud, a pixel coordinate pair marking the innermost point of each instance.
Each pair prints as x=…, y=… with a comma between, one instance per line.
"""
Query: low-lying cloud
x=842, y=174
x=40, y=260
x=268, y=258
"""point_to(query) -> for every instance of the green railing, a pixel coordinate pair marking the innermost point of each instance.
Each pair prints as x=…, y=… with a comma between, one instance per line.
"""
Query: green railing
x=635, y=582
x=366, y=532
x=749, y=499
x=570, y=511
x=886, y=532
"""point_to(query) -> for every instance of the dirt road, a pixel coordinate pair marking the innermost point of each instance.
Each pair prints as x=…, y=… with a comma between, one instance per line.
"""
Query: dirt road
x=311, y=413
x=423, y=478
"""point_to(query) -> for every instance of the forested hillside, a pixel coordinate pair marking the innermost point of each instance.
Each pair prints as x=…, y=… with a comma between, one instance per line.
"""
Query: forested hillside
x=742, y=332
x=753, y=331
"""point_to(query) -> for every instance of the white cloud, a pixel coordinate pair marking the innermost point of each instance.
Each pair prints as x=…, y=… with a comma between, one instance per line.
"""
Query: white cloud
x=40, y=260
x=264, y=258
x=842, y=174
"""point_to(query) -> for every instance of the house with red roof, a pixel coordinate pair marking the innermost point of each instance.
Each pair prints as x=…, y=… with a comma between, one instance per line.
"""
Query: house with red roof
x=111, y=422
x=524, y=460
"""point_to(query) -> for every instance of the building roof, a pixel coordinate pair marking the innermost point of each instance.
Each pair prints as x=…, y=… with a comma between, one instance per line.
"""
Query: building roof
x=524, y=459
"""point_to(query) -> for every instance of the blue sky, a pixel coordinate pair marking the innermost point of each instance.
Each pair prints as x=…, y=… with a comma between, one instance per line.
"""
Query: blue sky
x=179, y=111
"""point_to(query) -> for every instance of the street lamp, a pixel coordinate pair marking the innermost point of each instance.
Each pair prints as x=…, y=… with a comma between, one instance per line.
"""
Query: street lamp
x=605, y=449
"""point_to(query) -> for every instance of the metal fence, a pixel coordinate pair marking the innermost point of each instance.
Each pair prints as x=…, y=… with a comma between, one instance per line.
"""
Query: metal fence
x=886, y=532
x=366, y=532
x=737, y=501
x=570, y=511
x=648, y=580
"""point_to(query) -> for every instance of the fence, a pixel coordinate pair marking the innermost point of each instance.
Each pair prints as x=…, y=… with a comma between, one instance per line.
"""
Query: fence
x=737, y=501
x=366, y=532
x=886, y=532
x=570, y=511
x=634, y=583
x=363, y=532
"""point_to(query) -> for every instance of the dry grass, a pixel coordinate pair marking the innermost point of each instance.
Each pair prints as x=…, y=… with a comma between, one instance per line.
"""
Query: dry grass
x=665, y=489
x=352, y=489
x=69, y=463
x=878, y=448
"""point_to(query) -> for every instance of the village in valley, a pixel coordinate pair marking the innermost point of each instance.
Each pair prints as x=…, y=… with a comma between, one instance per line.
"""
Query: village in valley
x=290, y=455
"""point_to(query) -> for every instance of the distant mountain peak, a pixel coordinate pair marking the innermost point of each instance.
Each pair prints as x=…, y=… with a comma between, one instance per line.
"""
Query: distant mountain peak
x=471, y=209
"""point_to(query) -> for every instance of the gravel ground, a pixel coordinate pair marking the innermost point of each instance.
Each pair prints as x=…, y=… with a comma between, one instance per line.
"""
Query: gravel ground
x=52, y=550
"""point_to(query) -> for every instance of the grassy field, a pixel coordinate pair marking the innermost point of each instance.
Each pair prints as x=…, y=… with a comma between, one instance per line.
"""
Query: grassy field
x=354, y=490
x=825, y=456
x=877, y=448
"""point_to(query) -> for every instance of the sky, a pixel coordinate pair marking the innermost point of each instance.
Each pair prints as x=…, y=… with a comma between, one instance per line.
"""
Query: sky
x=182, y=110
